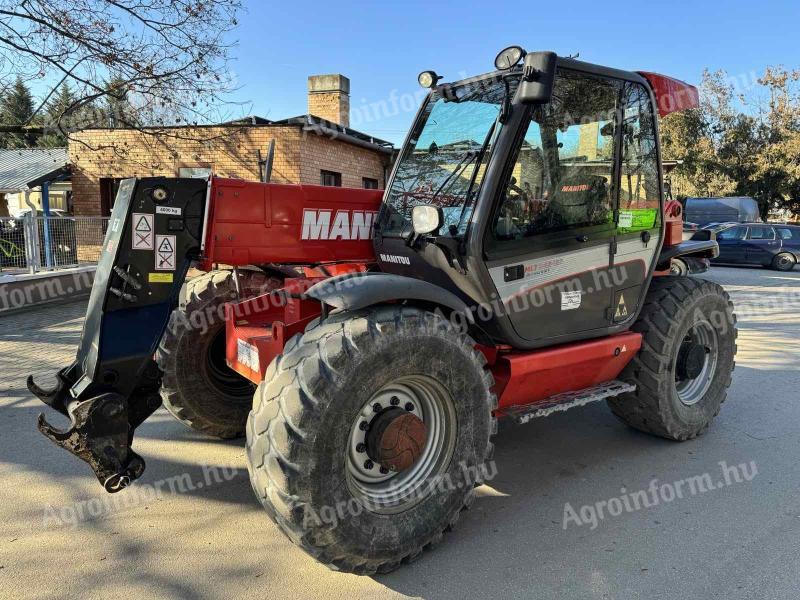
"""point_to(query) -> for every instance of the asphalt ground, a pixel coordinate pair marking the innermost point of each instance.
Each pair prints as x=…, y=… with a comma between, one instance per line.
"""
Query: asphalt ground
x=61, y=536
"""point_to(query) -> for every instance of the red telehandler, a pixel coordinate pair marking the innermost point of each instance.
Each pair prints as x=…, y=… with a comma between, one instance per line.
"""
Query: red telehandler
x=517, y=264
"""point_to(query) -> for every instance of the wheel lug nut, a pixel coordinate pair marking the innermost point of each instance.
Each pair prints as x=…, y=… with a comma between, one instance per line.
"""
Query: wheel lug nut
x=361, y=448
x=395, y=400
x=384, y=471
x=368, y=464
x=377, y=407
x=409, y=406
x=363, y=425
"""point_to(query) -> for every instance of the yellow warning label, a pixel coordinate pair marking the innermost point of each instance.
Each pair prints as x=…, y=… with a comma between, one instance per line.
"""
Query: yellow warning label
x=622, y=308
x=160, y=278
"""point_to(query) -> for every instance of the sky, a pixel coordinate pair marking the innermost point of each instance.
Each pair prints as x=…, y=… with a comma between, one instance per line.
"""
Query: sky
x=382, y=46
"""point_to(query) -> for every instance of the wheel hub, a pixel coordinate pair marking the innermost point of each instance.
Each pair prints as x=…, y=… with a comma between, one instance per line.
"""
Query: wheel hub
x=402, y=437
x=396, y=439
x=691, y=360
x=696, y=363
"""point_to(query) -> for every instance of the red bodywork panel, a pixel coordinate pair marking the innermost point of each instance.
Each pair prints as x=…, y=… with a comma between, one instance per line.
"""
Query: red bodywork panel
x=673, y=223
x=528, y=377
x=251, y=223
x=672, y=95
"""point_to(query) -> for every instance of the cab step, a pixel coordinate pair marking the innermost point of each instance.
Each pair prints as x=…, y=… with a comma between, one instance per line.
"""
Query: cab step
x=567, y=400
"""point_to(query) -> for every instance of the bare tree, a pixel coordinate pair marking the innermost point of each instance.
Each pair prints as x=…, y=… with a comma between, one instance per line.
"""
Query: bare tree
x=144, y=64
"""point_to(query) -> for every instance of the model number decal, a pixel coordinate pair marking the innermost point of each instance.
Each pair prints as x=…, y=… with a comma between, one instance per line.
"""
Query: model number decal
x=341, y=225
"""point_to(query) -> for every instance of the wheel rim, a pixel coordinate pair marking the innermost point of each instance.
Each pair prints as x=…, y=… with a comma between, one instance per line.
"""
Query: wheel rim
x=692, y=389
x=388, y=492
x=784, y=262
x=220, y=376
x=678, y=268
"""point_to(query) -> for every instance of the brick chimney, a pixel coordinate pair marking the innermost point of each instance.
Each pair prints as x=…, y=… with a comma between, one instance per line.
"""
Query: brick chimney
x=329, y=98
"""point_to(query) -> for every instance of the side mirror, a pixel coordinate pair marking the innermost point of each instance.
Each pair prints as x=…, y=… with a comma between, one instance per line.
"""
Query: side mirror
x=538, y=77
x=426, y=219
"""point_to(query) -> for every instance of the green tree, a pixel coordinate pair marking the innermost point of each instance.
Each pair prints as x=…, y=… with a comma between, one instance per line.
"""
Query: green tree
x=739, y=144
x=17, y=108
x=117, y=108
x=59, y=117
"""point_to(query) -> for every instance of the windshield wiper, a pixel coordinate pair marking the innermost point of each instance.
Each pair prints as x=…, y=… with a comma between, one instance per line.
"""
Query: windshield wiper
x=460, y=168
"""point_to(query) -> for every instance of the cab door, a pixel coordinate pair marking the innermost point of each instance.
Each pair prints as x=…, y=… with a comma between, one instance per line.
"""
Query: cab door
x=639, y=214
x=549, y=244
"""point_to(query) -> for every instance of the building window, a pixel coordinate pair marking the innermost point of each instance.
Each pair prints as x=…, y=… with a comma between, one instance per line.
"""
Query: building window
x=203, y=172
x=370, y=183
x=331, y=178
x=108, y=194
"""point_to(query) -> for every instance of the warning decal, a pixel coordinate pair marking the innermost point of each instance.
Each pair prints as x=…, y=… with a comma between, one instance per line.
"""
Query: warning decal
x=247, y=355
x=570, y=300
x=142, y=231
x=622, y=308
x=165, y=253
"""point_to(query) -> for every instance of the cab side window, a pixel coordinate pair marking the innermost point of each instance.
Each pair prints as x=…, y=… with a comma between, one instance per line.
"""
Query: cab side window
x=563, y=175
x=639, y=194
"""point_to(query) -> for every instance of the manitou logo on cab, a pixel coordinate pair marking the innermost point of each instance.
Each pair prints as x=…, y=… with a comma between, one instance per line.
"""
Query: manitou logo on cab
x=345, y=225
x=398, y=260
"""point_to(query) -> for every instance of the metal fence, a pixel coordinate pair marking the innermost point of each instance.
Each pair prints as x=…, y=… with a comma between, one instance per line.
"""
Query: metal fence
x=38, y=243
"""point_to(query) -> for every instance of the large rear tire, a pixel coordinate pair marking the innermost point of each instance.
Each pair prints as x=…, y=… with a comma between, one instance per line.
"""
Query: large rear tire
x=683, y=371
x=336, y=382
x=198, y=388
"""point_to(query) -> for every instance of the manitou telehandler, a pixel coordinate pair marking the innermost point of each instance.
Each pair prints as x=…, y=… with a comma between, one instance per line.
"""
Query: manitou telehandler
x=517, y=264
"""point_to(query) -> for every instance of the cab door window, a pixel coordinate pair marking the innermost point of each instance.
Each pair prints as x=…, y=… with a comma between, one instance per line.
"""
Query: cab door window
x=563, y=175
x=639, y=194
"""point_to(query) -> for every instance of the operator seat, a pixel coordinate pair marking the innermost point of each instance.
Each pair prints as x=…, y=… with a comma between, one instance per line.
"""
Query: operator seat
x=578, y=198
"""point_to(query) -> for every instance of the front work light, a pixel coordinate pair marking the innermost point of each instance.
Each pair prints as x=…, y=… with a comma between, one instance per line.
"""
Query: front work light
x=428, y=79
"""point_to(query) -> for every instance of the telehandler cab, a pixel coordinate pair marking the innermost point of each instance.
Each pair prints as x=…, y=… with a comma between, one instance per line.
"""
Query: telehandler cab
x=517, y=264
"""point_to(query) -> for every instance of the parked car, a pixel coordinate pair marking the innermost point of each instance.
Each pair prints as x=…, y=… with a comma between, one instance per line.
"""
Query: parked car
x=719, y=210
x=765, y=244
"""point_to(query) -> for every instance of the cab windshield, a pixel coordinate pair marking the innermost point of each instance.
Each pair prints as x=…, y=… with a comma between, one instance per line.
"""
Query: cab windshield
x=445, y=159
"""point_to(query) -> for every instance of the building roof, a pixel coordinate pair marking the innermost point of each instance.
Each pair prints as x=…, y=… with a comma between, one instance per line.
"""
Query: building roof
x=336, y=131
x=308, y=123
x=20, y=166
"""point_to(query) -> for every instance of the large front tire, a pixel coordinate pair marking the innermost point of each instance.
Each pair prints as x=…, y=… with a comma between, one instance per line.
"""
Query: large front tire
x=314, y=397
x=683, y=371
x=197, y=387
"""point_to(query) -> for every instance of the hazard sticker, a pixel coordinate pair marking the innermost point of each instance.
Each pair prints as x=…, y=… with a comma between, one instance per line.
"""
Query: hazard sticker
x=165, y=253
x=622, y=309
x=142, y=231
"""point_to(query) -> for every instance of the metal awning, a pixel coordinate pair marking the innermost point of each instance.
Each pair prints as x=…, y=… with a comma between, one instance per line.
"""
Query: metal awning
x=22, y=166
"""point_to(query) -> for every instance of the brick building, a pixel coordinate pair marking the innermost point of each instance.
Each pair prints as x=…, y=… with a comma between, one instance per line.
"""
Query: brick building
x=315, y=148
